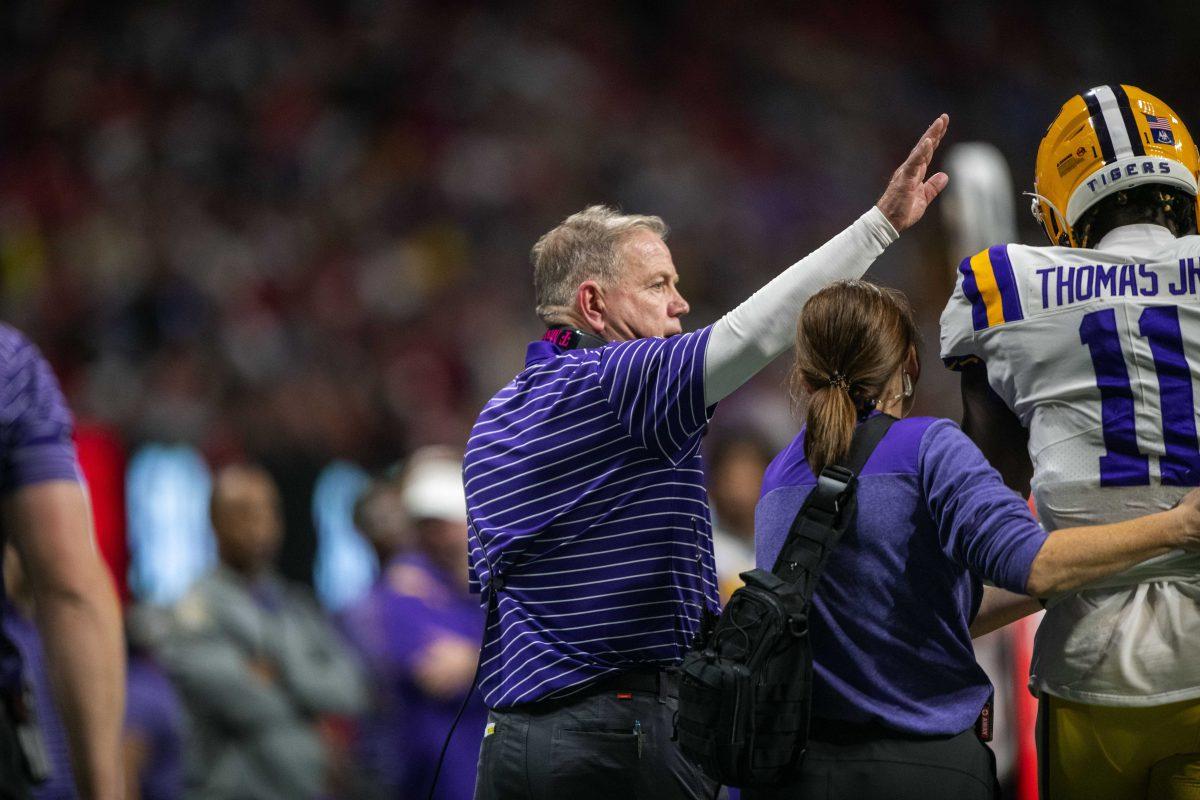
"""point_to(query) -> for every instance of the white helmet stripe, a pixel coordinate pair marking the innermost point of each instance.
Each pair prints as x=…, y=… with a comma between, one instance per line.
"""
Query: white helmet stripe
x=1126, y=173
x=1114, y=121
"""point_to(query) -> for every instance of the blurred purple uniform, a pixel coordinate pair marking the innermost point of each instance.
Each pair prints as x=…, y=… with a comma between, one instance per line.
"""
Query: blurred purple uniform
x=154, y=714
x=411, y=606
x=21, y=632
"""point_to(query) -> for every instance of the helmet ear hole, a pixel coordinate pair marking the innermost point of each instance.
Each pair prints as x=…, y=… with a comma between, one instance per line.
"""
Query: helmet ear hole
x=1050, y=218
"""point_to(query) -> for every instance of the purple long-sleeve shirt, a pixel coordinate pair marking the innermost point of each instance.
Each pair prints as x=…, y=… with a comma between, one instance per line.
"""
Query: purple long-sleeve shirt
x=890, y=617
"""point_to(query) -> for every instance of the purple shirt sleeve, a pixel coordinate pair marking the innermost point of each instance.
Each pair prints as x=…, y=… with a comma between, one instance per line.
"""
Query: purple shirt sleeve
x=656, y=388
x=983, y=524
x=35, y=423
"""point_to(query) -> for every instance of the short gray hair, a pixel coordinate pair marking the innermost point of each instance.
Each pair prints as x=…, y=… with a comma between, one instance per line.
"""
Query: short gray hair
x=582, y=247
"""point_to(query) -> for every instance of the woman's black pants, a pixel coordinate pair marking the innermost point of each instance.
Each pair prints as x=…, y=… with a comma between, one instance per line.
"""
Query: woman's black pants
x=854, y=766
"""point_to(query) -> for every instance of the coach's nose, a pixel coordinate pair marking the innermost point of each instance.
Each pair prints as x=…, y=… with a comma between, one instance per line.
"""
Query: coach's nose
x=678, y=306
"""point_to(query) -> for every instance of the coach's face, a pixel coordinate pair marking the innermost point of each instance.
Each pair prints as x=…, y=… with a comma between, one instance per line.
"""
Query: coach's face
x=645, y=300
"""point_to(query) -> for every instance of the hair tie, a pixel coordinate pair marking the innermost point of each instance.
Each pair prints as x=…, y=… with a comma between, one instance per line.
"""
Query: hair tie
x=839, y=380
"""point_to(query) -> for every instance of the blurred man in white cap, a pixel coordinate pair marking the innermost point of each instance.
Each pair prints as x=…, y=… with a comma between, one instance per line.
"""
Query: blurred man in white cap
x=419, y=629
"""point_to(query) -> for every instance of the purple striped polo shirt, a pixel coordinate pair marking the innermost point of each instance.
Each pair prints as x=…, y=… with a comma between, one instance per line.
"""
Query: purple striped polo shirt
x=35, y=439
x=585, y=493
x=891, y=613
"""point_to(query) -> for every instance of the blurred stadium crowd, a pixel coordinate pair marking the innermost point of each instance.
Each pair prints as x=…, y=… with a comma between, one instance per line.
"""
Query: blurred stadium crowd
x=296, y=234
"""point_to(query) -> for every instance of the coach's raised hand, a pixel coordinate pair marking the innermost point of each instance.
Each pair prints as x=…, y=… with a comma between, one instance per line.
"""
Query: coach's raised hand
x=908, y=193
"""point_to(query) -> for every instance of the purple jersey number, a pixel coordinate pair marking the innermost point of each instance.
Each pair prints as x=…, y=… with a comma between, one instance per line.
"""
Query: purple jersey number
x=1124, y=464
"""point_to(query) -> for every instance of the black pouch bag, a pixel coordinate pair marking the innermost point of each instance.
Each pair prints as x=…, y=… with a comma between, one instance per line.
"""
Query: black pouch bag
x=745, y=691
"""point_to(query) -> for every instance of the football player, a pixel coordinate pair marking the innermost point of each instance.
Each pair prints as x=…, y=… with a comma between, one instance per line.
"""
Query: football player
x=1078, y=364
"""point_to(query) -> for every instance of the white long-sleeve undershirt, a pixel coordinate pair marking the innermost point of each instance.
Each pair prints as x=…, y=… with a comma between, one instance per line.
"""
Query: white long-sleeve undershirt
x=747, y=338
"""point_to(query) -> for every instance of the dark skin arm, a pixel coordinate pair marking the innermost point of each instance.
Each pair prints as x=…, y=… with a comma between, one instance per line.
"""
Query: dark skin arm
x=995, y=429
x=999, y=608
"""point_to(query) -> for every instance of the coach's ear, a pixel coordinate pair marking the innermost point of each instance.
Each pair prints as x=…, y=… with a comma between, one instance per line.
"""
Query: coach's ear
x=589, y=304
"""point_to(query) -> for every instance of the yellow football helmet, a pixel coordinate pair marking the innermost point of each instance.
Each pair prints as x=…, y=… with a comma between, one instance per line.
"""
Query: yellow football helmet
x=1105, y=140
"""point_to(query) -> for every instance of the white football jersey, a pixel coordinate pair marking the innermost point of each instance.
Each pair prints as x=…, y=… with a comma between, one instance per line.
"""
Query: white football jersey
x=1097, y=351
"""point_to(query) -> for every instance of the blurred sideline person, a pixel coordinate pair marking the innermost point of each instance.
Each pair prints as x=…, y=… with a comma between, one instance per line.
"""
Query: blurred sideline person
x=589, y=527
x=1078, y=366
x=46, y=517
x=382, y=519
x=380, y=516
x=419, y=629
x=153, y=741
x=897, y=690
x=256, y=663
x=736, y=464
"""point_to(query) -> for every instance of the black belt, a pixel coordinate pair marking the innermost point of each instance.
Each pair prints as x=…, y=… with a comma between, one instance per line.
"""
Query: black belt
x=662, y=683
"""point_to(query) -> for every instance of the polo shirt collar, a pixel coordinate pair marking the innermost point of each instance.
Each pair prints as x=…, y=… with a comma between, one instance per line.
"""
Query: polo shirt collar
x=540, y=351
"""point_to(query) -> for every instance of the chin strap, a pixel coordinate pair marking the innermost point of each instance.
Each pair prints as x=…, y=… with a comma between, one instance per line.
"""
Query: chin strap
x=572, y=338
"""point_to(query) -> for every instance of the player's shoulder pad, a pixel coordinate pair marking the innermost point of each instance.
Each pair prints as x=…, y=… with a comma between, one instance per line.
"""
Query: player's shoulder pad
x=989, y=284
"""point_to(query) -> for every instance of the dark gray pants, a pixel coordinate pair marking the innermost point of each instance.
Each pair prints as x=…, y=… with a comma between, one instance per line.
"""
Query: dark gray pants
x=610, y=744
x=955, y=768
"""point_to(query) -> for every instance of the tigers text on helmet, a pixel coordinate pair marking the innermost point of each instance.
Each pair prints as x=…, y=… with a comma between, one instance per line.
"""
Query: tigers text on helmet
x=1103, y=141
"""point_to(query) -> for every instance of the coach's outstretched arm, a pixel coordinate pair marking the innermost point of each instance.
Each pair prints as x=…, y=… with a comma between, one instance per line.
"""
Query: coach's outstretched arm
x=751, y=335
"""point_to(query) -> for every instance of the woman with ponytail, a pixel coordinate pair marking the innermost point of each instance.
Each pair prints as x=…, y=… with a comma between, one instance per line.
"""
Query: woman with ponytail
x=897, y=691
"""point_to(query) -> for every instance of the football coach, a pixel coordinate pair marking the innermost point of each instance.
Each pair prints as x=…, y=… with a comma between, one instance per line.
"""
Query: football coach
x=589, y=525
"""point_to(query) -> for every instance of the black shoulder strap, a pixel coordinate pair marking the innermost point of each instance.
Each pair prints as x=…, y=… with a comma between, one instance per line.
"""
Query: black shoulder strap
x=867, y=437
x=828, y=510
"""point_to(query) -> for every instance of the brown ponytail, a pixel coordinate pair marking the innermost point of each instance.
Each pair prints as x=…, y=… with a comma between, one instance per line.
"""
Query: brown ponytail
x=851, y=337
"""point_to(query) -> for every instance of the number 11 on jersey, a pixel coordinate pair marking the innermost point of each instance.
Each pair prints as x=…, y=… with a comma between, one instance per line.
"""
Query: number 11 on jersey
x=1124, y=464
